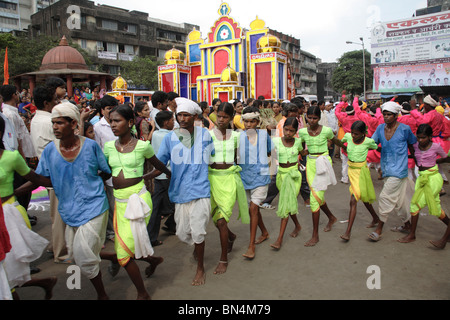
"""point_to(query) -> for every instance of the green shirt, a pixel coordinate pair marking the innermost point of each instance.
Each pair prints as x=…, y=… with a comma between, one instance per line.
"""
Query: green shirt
x=10, y=162
x=225, y=149
x=132, y=163
x=285, y=154
x=317, y=144
x=358, y=152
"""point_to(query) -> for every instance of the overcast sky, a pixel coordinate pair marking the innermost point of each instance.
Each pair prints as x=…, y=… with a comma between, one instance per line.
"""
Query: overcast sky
x=323, y=26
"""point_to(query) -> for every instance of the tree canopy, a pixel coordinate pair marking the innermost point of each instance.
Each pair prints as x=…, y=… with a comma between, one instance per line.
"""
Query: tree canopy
x=349, y=73
x=141, y=72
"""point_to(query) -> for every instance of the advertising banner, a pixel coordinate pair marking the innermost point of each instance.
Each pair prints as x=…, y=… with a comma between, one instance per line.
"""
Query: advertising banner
x=410, y=53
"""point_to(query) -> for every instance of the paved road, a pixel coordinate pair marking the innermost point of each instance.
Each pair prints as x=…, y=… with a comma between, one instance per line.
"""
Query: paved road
x=332, y=270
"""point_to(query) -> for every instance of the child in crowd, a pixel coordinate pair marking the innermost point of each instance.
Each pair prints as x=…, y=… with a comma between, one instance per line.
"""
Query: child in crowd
x=255, y=150
x=361, y=186
x=133, y=207
x=429, y=182
x=89, y=131
x=160, y=196
x=319, y=170
x=226, y=183
x=289, y=178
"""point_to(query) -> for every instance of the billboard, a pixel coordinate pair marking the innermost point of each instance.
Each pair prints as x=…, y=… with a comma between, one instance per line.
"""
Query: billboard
x=410, y=53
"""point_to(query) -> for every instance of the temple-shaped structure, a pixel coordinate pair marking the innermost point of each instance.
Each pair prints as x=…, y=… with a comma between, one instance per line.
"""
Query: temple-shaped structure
x=230, y=63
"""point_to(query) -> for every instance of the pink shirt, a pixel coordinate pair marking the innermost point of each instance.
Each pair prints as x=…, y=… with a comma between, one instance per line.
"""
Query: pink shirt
x=372, y=122
x=345, y=119
x=428, y=157
x=433, y=118
x=409, y=121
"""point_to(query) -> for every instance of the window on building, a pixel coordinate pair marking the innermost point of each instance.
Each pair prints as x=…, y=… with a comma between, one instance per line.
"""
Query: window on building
x=10, y=21
x=112, y=47
x=161, y=53
x=8, y=5
x=110, y=25
x=100, y=46
x=83, y=44
x=129, y=49
x=132, y=28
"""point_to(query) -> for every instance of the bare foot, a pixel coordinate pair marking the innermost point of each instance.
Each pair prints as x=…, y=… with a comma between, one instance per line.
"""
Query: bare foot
x=49, y=287
x=144, y=297
x=407, y=239
x=153, y=264
x=296, y=231
x=250, y=254
x=221, y=267
x=312, y=242
x=439, y=244
x=276, y=245
x=200, y=278
x=262, y=238
x=330, y=224
x=345, y=237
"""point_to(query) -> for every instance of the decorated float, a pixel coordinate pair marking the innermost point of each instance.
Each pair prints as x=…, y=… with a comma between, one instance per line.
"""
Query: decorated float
x=120, y=92
x=230, y=63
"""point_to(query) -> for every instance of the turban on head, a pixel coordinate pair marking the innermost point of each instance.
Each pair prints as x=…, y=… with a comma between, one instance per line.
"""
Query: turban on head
x=430, y=101
x=391, y=106
x=189, y=106
x=66, y=109
x=440, y=109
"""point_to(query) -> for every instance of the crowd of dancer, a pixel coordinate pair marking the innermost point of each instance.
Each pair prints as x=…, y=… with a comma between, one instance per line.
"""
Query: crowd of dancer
x=112, y=171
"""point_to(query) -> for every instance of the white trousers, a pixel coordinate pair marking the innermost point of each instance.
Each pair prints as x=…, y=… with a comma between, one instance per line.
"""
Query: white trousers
x=192, y=219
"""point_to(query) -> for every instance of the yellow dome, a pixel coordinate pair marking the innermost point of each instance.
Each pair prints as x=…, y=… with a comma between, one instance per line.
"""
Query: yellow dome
x=257, y=24
x=194, y=35
x=174, y=56
x=229, y=75
x=268, y=43
x=119, y=84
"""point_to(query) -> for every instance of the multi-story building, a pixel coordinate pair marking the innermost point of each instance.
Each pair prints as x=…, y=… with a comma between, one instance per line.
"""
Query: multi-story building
x=434, y=6
x=292, y=46
x=308, y=75
x=109, y=34
x=324, y=81
x=15, y=14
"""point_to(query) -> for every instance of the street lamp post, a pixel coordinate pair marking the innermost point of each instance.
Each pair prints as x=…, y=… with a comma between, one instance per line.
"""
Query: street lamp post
x=364, y=61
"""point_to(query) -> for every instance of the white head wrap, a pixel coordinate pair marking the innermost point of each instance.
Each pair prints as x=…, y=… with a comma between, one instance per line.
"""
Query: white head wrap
x=189, y=106
x=430, y=101
x=391, y=106
x=251, y=115
x=66, y=109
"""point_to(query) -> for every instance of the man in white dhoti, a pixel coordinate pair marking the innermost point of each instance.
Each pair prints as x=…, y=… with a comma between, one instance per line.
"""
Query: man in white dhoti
x=395, y=138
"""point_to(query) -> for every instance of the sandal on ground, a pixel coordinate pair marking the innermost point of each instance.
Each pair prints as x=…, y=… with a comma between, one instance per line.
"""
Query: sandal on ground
x=266, y=206
x=400, y=229
x=374, y=236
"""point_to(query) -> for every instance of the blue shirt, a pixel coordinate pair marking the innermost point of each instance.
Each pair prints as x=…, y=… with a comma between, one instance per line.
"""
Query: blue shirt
x=78, y=187
x=157, y=138
x=394, y=153
x=254, y=161
x=189, y=166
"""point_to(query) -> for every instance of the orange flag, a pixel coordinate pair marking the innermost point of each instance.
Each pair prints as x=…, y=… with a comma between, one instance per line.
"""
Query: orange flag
x=6, y=69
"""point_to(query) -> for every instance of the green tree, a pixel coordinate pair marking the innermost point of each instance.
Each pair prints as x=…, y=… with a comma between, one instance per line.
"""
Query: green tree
x=349, y=73
x=141, y=72
x=25, y=54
